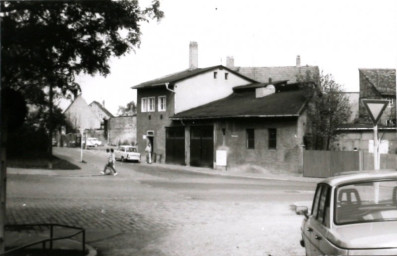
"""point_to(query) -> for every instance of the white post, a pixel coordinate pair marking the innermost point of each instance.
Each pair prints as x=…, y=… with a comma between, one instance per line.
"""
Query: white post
x=376, y=161
x=376, y=149
x=81, y=144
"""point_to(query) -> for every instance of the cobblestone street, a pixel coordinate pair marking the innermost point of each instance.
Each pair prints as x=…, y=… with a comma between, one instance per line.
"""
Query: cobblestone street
x=130, y=215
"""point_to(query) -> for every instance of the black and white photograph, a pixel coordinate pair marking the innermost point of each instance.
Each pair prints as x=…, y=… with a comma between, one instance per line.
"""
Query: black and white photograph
x=198, y=127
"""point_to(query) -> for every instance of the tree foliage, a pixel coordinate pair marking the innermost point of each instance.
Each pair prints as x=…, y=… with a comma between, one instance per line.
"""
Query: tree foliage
x=128, y=110
x=327, y=109
x=50, y=42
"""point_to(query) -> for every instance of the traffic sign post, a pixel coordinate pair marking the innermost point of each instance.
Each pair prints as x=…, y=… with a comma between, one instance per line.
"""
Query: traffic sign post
x=375, y=109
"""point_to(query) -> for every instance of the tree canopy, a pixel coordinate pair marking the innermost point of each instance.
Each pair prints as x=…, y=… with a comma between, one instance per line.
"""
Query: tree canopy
x=327, y=109
x=128, y=110
x=50, y=42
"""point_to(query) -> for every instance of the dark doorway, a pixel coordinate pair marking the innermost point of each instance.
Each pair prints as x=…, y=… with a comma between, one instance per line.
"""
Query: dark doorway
x=202, y=146
x=175, y=145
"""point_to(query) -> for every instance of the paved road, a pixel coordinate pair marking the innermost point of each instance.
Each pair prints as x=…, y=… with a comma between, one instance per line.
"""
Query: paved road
x=162, y=210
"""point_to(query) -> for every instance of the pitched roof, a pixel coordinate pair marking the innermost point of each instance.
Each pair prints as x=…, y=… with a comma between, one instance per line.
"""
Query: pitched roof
x=383, y=80
x=102, y=108
x=245, y=104
x=182, y=75
x=290, y=73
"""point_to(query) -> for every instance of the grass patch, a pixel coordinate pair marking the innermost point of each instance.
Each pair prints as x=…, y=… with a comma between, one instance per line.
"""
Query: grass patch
x=40, y=162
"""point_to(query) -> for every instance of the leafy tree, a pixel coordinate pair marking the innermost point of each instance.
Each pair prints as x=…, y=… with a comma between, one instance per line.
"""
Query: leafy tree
x=327, y=109
x=45, y=44
x=128, y=110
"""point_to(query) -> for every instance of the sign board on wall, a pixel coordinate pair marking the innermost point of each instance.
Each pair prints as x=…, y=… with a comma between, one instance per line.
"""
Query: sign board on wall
x=383, y=146
x=221, y=158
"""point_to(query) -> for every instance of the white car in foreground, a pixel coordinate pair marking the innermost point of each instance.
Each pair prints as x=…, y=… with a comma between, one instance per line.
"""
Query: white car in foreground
x=352, y=214
x=127, y=153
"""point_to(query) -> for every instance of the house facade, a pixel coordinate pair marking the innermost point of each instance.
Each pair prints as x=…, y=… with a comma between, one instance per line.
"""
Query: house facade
x=188, y=140
x=258, y=124
x=100, y=110
x=80, y=116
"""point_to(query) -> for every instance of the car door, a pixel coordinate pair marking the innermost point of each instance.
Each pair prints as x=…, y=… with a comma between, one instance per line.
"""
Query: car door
x=321, y=223
x=308, y=235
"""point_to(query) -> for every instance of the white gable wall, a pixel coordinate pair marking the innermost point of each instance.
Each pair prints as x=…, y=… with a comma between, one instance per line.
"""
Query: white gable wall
x=203, y=89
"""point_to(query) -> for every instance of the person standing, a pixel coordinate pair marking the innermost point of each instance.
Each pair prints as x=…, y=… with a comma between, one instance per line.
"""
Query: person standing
x=148, y=150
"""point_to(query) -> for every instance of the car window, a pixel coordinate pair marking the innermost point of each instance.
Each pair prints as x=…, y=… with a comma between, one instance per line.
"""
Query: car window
x=316, y=200
x=366, y=202
x=323, y=206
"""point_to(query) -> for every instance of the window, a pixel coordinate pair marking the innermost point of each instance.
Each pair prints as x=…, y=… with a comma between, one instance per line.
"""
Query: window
x=250, y=138
x=162, y=103
x=151, y=104
x=215, y=74
x=272, y=138
x=321, y=204
x=144, y=105
x=226, y=75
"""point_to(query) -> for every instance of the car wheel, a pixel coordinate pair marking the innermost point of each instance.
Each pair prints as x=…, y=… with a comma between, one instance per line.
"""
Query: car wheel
x=122, y=159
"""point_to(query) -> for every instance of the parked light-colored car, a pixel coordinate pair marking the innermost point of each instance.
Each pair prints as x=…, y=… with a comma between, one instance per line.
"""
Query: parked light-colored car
x=354, y=214
x=127, y=153
x=93, y=142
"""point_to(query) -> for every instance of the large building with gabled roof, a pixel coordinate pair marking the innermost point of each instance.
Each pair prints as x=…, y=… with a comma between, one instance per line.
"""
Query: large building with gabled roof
x=185, y=115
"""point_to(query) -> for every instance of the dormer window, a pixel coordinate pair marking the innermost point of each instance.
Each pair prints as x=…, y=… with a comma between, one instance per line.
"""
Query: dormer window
x=226, y=75
x=215, y=74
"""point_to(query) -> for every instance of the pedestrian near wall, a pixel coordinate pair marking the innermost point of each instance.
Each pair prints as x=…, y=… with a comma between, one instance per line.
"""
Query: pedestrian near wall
x=148, y=151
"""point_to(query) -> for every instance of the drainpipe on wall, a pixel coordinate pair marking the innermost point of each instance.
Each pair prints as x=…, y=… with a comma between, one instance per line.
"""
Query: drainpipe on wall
x=166, y=87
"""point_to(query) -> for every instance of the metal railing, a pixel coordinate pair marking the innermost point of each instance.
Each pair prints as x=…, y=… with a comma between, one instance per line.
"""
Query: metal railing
x=50, y=241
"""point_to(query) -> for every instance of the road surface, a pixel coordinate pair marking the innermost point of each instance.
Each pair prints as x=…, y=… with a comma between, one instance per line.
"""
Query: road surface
x=165, y=211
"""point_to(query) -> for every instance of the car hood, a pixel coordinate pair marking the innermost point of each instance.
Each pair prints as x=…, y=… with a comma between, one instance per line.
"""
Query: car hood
x=365, y=235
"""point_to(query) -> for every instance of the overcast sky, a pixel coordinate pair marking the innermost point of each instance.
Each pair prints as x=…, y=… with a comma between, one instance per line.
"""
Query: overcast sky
x=339, y=36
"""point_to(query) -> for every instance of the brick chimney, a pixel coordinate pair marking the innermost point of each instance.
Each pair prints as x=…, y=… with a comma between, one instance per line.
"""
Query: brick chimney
x=193, y=55
x=298, y=60
x=230, y=62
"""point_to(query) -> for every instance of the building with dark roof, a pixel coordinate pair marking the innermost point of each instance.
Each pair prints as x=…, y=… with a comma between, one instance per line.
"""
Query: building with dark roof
x=188, y=116
x=258, y=124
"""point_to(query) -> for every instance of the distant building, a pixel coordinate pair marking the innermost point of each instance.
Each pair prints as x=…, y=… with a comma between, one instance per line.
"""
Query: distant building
x=101, y=112
x=374, y=84
x=81, y=116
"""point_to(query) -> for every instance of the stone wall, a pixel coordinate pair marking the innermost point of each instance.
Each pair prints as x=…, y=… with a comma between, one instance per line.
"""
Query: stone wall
x=122, y=130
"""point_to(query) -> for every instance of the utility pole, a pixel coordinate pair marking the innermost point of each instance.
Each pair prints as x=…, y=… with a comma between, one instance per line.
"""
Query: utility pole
x=3, y=179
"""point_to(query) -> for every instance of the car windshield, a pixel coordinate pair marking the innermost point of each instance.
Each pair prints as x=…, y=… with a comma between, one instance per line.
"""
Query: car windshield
x=366, y=202
x=131, y=149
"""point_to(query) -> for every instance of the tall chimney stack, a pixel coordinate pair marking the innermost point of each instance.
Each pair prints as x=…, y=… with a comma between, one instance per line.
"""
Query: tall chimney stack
x=230, y=62
x=193, y=55
x=298, y=60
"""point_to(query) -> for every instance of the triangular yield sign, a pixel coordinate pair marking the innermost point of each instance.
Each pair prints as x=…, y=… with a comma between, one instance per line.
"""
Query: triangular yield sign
x=375, y=108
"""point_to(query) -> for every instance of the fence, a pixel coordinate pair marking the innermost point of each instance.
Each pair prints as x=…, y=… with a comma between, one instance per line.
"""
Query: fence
x=321, y=164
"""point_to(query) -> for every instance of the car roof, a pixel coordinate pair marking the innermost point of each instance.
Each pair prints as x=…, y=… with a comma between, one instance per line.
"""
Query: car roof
x=360, y=176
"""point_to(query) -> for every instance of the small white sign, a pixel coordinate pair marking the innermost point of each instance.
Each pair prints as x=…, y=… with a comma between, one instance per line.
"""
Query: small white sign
x=221, y=158
x=383, y=146
x=144, y=137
